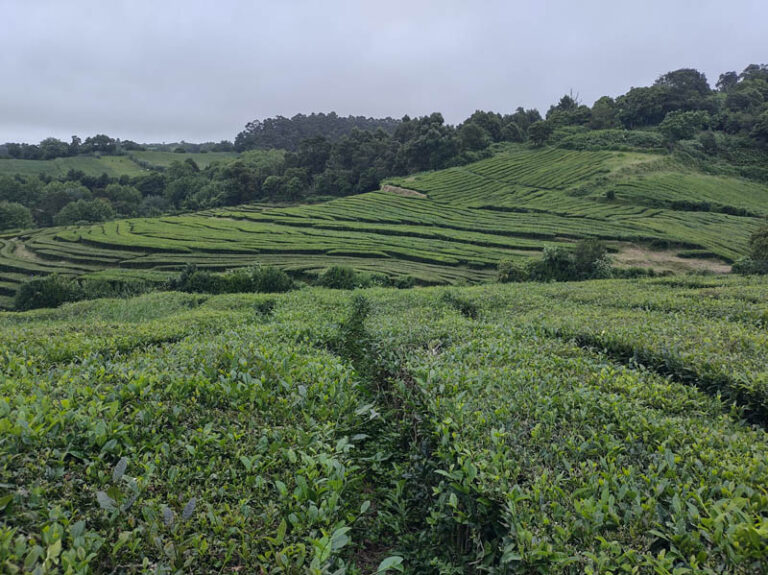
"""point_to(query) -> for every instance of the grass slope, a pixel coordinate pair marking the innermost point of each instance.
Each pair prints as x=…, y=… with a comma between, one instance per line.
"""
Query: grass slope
x=114, y=166
x=165, y=159
x=448, y=226
x=597, y=427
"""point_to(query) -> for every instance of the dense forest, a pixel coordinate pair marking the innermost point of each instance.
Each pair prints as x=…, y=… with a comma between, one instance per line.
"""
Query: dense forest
x=287, y=133
x=723, y=129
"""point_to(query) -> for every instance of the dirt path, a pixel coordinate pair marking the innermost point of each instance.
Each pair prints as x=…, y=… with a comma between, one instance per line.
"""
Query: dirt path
x=21, y=251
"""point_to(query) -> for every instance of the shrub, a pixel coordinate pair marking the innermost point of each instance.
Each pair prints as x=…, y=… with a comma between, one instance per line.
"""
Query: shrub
x=402, y=282
x=97, y=210
x=352, y=340
x=708, y=142
x=339, y=277
x=464, y=306
x=590, y=259
x=365, y=280
x=237, y=281
x=14, y=216
x=539, y=132
x=757, y=262
x=749, y=266
x=270, y=279
x=258, y=279
x=678, y=125
x=509, y=271
x=193, y=280
x=758, y=244
x=54, y=290
x=587, y=260
x=555, y=264
x=613, y=140
x=633, y=272
x=49, y=291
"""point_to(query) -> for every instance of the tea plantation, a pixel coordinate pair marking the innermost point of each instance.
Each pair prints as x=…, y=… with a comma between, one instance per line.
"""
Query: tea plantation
x=445, y=227
x=595, y=427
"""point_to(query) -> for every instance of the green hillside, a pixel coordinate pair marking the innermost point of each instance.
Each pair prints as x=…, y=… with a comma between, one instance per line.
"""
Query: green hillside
x=593, y=427
x=165, y=159
x=448, y=226
x=114, y=166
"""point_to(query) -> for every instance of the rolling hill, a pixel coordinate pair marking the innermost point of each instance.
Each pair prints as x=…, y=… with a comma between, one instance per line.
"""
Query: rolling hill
x=449, y=226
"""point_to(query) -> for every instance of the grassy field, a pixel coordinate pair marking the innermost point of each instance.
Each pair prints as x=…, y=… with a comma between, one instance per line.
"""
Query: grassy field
x=165, y=159
x=131, y=164
x=114, y=166
x=596, y=427
x=451, y=226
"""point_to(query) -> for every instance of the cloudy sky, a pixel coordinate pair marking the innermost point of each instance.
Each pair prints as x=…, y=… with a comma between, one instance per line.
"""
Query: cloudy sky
x=166, y=70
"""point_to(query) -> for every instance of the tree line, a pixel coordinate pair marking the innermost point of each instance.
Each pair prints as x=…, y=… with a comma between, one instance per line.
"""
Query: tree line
x=100, y=144
x=287, y=133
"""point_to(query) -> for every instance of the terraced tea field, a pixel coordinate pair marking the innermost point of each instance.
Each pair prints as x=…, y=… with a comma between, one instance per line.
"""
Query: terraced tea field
x=450, y=226
x=596, y=427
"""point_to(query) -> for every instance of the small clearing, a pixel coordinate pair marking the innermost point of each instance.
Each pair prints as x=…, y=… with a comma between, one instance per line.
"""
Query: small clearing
x=21, y=251
x=632, y=255
x=402, y=191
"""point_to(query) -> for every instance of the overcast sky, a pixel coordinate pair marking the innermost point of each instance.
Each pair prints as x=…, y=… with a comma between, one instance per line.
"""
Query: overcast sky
x=166, y=70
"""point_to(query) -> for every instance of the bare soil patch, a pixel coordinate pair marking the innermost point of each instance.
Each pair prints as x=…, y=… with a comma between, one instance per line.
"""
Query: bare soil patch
x=402, y=191
x=21, y=251
x=632, y=255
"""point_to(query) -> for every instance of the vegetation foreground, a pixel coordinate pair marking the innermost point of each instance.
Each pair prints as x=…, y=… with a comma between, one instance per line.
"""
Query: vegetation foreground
x=594, y=427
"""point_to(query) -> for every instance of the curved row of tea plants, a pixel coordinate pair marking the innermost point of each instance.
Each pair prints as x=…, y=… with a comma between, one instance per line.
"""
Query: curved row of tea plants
x=449, y=226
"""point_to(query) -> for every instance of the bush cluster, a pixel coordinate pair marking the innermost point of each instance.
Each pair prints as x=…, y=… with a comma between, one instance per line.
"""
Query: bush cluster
x=14, y=215
x=613, y=140
x=257, y=279
x=344, y=277
x=587, y=260
x=54, y=290
x=757, y=262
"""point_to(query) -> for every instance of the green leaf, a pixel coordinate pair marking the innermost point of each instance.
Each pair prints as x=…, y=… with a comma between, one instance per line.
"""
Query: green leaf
x=119, y=469
x=281, y=532
x=394, y=562
x=167, y=515
x=54, y=549
x=77, y=529
x=105, y=501
x=189, y=509
x=4, y=501
x=339, y=538
x=129, y=502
